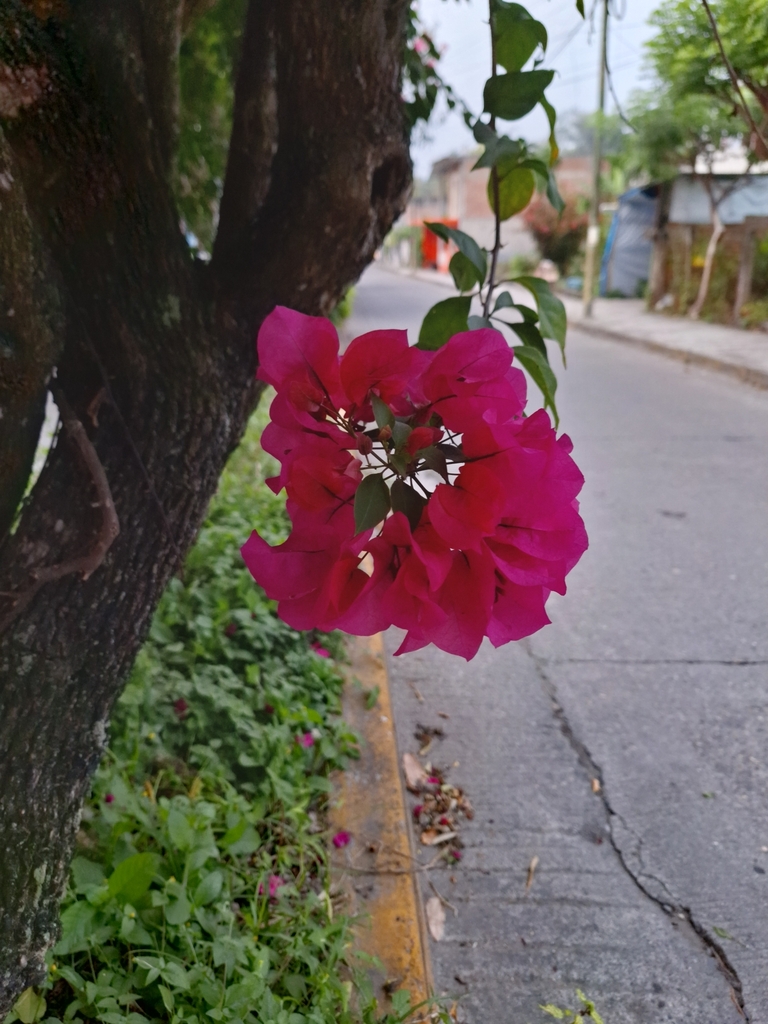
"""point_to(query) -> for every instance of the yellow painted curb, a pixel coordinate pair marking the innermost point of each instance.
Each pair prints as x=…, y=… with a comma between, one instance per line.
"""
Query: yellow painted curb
x=376, y=870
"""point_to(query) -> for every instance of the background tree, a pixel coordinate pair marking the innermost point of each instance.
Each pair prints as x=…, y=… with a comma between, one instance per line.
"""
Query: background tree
x=677, y=131
x=685, y=53
x=148, y=349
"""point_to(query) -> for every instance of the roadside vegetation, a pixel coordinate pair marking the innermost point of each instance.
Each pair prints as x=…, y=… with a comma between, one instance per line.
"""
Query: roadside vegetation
x=200, y=888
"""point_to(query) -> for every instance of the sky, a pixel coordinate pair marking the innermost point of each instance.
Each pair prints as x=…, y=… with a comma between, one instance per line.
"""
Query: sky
x=461, y=26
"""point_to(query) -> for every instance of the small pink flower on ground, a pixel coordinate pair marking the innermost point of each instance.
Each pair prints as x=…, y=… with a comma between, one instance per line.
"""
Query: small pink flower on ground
x=417, y=810
x=231, y=629
x=341, y=839
x=306, y=740
x=321, y=651
x=274, y=883
x=109, y=798
x=456, y=854
x=433, y=780
x=444, y=821
x=181, y=708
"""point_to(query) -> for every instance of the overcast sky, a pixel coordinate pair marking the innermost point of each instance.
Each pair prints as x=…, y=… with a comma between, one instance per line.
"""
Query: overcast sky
x=461, y=27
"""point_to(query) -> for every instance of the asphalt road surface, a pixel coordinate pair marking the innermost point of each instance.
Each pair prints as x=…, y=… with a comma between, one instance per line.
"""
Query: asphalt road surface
x=651, y=895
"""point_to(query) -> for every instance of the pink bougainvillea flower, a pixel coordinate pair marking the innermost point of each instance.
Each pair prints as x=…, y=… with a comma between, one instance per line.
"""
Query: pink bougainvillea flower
x=275, y=882
x=474, y=518
x=341, y=839
x=306, y=740
x=381, y=362
x=181, y=708
x=321, y=651
x=109, y=798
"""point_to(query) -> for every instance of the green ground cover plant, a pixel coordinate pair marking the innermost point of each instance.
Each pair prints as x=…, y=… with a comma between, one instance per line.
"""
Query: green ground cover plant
x=200, y=890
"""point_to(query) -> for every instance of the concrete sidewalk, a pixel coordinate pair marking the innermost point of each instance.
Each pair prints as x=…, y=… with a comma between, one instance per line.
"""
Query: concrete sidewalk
x=740, y=353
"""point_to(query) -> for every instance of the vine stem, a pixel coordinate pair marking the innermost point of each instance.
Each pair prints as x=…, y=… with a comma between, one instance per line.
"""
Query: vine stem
x=494, y=184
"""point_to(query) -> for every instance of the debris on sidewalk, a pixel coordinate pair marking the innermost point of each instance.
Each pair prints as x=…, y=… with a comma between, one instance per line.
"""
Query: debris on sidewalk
x=435, y=918
x=441, y=807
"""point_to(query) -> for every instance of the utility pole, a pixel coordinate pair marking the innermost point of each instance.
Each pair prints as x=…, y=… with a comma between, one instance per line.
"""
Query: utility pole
x=593, y=230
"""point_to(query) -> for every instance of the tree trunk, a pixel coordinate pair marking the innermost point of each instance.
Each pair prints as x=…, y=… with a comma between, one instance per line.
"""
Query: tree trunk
x=709, y=261
x=153, y=351
x=746, y=268
x=657, y=272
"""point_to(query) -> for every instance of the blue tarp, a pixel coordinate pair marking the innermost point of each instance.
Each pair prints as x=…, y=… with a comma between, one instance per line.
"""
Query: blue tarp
x=627, y=256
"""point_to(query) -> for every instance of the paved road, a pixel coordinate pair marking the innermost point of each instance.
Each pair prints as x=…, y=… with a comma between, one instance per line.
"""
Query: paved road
x=651, y=895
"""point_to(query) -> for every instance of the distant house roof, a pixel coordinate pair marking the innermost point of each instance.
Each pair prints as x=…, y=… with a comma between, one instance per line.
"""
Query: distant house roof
x=690, y=203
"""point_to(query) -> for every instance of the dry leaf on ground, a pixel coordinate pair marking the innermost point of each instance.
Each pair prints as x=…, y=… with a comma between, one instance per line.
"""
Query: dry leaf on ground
x=435, y=918
x=531, y=871
x=415, y=776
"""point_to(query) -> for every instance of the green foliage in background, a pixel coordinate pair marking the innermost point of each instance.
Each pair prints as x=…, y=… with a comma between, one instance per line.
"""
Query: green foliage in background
x=200, y=891
x=206, y=73
x=684, y=50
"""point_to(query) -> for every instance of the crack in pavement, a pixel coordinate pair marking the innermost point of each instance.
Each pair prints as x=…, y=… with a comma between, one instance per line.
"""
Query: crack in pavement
x=671, y=907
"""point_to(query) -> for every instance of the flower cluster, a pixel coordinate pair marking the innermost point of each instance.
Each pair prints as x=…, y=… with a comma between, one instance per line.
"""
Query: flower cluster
x=419, y=493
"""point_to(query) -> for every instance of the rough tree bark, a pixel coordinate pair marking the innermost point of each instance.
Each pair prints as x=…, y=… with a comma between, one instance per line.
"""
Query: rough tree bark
x=153, y=351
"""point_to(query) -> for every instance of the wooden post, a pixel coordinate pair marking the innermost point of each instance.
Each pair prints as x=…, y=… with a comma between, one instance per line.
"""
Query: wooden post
x=746, y=266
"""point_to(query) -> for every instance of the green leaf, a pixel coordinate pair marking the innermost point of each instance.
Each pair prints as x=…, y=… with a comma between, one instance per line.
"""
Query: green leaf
x=498, y=148
x=245, y=844
x=552, y=319
x=445, y=319
x=554, y=149
x=167, y=996
x=516, y=37
x=515, y=94
x=435, y=460
x=463, y=272
x=86, y=874
x=554, y=1011
x=181, y=833
x=400, y=433
x=515, y=190
x=580, y=7
x=407, y=500
x=503, y=301
x=382, y=413
x=29, y=1007
x=372, y=502
x=178, y=911
x=209, y=888
x=475, y=323
x=132, y=877
x=541, y=374
x=553, y=193
x=465, y=244
x=529, y=334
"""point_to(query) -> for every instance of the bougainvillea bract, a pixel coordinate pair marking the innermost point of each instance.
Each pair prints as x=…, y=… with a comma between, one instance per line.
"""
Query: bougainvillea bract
x=419, y=493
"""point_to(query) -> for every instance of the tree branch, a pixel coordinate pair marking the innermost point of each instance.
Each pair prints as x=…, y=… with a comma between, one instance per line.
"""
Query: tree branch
x=253, y=142
x=332, y=155
x=161, y=32
x=732, y=75
x=88, y=562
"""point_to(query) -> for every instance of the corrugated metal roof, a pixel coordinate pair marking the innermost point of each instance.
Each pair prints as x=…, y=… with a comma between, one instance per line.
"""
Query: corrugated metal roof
x=690, y=201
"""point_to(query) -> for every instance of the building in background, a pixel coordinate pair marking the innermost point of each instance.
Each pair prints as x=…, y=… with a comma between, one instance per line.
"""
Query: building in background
x=457, y=195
